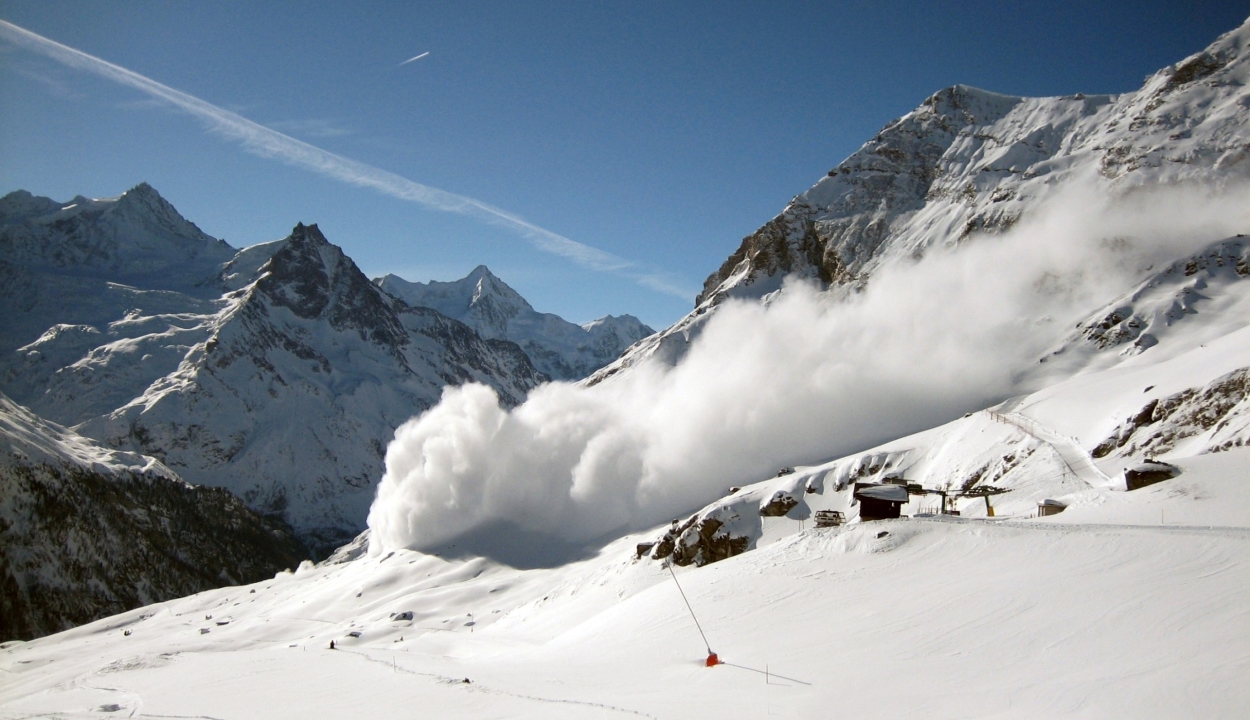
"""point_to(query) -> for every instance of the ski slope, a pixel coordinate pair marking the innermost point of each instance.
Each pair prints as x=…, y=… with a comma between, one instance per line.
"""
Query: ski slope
x=1097, y=612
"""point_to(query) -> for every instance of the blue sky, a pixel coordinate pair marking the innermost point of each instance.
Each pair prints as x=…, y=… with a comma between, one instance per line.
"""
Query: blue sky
x=658, y=133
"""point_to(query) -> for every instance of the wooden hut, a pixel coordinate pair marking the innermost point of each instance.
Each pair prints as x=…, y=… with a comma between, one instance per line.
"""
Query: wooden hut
x=880, y=502
x=1050, y=507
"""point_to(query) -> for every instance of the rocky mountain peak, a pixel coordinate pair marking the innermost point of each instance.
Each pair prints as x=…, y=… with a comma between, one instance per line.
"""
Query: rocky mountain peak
x=20, y=205
x=137, y=238
x=969, y=162
x=479, y=299
x=315, y=280
x=488, y=288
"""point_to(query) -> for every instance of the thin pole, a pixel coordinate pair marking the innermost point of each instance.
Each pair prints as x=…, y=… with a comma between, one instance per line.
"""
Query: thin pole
x=696, y=619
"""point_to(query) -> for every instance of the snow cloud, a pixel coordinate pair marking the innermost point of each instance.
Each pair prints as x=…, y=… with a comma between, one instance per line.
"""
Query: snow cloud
x=808, y=376
x=268, y=143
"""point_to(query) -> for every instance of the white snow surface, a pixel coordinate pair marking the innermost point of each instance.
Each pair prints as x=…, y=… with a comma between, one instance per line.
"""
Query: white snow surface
x=1110, y=613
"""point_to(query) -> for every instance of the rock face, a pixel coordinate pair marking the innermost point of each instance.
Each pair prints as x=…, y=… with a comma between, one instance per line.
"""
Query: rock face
x=87, y=532
x=702, y=539
x=558, y=348
x=970, y=162
x=279, y=372
x=1210, y=418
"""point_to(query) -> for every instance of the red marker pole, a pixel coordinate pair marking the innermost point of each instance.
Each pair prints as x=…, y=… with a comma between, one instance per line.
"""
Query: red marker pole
x=712, y=659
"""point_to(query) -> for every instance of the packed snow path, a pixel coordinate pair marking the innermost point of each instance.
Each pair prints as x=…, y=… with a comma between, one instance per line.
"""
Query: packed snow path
x=1074, y=457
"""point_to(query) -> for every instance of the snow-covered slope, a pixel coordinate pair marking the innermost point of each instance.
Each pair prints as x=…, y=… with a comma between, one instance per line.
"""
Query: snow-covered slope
x=1070, y=442
x=969, y=162
x=561, y=349
x=905, y=619
x=87, y=532
x=279, y=372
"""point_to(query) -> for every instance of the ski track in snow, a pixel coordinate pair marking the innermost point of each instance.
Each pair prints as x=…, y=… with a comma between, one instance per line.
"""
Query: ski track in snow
x=477, y=687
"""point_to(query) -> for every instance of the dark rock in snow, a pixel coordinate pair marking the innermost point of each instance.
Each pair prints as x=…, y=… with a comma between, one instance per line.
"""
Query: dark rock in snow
x=1149, y=473
x=780, y=504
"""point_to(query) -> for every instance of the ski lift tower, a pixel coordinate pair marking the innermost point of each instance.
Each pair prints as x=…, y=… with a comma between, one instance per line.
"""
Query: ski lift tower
x=985, y=491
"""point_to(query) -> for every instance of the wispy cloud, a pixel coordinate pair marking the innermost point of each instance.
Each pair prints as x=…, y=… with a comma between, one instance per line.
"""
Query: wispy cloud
x=268, y=143
x=311, y=127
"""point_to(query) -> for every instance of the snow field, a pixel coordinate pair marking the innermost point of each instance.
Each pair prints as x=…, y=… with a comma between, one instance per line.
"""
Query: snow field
x=937, y=618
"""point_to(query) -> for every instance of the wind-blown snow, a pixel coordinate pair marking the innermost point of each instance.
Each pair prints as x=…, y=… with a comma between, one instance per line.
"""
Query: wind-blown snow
x=805, y=376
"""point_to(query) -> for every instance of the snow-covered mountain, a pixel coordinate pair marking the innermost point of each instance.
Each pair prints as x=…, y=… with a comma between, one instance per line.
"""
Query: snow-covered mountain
x=561, y=349
x=970, y=162
x=1125, y=603
x=137, y=238
x=87, y=532
x=278, y=371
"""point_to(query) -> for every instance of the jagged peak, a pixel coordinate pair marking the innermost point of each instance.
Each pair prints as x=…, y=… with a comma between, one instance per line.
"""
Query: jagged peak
x=20, y=195
x=308, y=233
x=309, y=245
x=624, y=326
x=144, y=195
x=960, y=92
x=966, y=105
x=143, y=188
x=143, y=200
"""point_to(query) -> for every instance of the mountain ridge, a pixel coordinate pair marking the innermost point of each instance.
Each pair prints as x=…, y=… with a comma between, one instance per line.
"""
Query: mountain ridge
x=561, y=349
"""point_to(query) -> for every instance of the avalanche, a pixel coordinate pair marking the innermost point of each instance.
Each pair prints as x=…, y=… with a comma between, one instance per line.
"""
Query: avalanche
x=1055, y=377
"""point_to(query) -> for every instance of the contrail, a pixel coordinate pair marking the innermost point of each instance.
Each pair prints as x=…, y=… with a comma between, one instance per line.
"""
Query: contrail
x=427, y=52
x=260, y=140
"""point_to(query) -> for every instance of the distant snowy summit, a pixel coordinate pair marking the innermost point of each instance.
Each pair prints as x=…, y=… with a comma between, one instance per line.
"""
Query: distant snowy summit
x=137, y=238
x=561, y=349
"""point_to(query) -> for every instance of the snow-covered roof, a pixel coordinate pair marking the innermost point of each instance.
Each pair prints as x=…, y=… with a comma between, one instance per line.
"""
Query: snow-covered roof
x=892, y=493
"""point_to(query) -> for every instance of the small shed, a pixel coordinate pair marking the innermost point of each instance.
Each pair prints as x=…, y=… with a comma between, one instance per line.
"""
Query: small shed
x=880, y=502
x=1050, y=507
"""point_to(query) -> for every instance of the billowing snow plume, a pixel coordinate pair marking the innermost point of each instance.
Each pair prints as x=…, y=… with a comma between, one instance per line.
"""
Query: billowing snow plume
x=806, y=376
